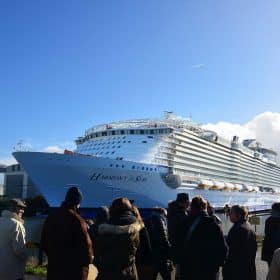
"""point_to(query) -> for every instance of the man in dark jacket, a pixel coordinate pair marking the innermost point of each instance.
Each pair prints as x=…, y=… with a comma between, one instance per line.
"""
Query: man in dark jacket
x=241, y=239
x=205, y=248
x=161, y=247
x=177, y=218
x=66, y=241
x=272, y=234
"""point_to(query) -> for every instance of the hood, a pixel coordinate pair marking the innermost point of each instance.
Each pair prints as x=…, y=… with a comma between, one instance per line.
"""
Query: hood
x=117, y=229
x=11, y=215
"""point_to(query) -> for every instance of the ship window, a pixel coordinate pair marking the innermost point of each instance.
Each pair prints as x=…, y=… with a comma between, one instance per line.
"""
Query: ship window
x=113, y=132
x=133, y=167
x=112, y=152
x=144, y=141
x=124, y=141
x=151, y=169
x=131, y=131
x=143, y=168
x=118, y=146
x=141, y=131
x=122, y=131
x=122, y=166
x=128, y=141
x=124, y=137
x=147, y=168
x=111, y=165
x=150, y=136
x=117, y=165
x=152, y=131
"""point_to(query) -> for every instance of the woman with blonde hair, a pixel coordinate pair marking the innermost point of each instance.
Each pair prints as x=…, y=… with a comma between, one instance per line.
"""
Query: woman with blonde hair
x=144, y=251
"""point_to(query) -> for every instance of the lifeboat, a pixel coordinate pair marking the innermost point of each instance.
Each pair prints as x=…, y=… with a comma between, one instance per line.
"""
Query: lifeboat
x=256, y=189
x=247, y=188
x=218, y=185
x=205, y=184
x=238, y=187
x=68, y=152
x=229, y=186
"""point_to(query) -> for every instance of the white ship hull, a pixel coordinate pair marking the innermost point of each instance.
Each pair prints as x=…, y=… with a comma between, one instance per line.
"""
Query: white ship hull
x=102, y=180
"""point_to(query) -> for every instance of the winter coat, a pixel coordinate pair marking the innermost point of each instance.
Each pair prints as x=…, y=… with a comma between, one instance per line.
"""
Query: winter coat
x=205, y=248
x=177, y=218
x=116, y=246
x=144, y=251
x=13, y=253
x=272, y=237
x=102, y=217
x=274, y=270
x=144, y=255
x=161, y=247
x=240, y=263
x=67, y=244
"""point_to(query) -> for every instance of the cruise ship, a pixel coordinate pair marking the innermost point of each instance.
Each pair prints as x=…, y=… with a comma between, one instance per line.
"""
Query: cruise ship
x=151, y=160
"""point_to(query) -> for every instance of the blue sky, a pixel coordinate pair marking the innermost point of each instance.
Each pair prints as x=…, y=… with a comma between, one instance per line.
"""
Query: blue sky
x=67, y=65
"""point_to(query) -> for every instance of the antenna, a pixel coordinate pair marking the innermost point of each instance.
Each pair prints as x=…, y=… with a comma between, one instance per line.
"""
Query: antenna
x=20, y=146
x=168, y=114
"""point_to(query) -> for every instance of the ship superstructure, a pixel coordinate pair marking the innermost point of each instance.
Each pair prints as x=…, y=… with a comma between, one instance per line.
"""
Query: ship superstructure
x=151, y=160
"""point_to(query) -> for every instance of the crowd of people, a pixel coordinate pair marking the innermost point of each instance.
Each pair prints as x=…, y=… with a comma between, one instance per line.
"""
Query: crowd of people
x=184, y=241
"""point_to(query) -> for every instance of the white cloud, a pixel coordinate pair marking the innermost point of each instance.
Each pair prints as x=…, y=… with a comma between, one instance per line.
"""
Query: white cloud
x=8, y=160
x=264, y=127
x=53, y=149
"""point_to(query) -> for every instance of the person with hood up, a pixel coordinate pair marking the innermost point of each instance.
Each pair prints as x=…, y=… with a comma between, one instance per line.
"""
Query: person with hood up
x=66, y=241
x=161, y=247
x=117, y=243
x=13, y=251
x=102, y=217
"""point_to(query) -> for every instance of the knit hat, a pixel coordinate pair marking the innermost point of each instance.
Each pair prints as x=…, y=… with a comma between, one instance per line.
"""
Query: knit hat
x=182, y=197
x=73, y=196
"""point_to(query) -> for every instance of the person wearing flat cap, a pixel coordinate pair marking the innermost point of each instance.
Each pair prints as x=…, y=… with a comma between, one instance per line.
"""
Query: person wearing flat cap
x=66, y=241
x=13, y=252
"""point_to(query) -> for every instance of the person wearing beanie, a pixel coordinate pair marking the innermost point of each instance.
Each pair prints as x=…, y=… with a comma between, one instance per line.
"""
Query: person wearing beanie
x=13, y=251
x=66, y=241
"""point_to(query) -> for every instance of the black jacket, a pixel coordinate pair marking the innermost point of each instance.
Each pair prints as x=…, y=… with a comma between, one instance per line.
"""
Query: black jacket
x=157, y=228
x=177, y=220
x=205, y=248
x=271, y=238
x=240, y=263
